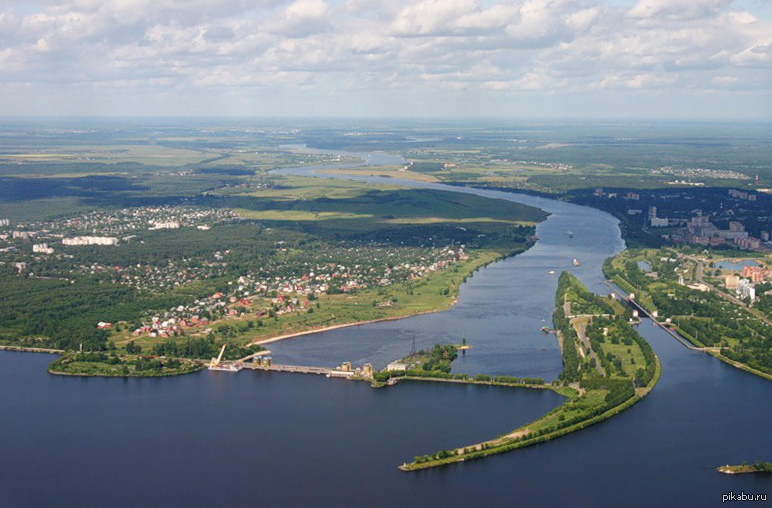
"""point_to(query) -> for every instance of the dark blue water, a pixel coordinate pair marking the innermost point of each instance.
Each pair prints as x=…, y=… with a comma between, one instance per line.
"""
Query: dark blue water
x=214, y=439
x=290, y=440
x=282, y=440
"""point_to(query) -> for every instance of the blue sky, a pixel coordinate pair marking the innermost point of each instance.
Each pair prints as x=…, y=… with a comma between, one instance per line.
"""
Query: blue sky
x=671, y=59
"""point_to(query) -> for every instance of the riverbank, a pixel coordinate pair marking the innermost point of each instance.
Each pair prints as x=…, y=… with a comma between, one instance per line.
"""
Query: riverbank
x=431, y=299
x=130, y=374
x=519, y=438
x=102, y=365
x=739, y=365
x=565, y=391
x=24, y=349
x=344, y=325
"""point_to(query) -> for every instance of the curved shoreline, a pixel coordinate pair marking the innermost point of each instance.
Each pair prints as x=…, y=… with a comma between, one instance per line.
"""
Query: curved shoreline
x=78, y=374
x=739, y=365
x=454, y=300
x=344, y=325
x=510, y=441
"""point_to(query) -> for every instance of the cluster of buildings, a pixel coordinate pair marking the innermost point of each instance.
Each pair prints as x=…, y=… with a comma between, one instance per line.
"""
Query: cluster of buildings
x=128, y=220
x=742, y=195
x=42, y=248
x=739, y=218
x=743, y=283
x=721, y=174
x=701, y=231
x=171, y=326
x=657, y=222
x=87, y=229
x=310, y=272
x=164, y=225
x=22, y=235
x=743, y=287
x=90, y=240
x=373, y=266
x=560, y=166
x=260, y=294
x=109, y=228
x=756, y=273
x=198, y=316
x=377, y=266
x=434, y=155
x=154, y=277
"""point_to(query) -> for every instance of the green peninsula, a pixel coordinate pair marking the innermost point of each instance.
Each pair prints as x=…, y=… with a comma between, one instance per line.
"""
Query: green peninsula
x=607, y=368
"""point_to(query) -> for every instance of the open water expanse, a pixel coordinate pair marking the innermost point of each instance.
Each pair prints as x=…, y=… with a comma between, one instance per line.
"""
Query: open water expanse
x=284, y=440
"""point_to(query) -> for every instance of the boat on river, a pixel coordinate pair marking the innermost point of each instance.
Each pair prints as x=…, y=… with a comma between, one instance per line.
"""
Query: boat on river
x=575, y=262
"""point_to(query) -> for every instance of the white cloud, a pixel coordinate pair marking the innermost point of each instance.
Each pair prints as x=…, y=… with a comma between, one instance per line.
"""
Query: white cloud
x=433, y=17
x=582, y=20
x=476, y=49
x=678, y=9
x=303, y=18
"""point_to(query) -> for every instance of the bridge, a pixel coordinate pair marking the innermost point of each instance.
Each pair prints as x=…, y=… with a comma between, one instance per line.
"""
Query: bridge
x=299, y=369
x=261, y=361
x=288, y=368
x=264, y=352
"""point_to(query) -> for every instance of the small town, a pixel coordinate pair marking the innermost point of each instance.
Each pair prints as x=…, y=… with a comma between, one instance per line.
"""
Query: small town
x=259, y=296
x=108, y=227
x=282, y=280
x=725, y=219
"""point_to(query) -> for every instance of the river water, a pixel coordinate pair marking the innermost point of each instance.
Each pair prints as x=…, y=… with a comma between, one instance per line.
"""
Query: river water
x=267, y=439
x=500, y=311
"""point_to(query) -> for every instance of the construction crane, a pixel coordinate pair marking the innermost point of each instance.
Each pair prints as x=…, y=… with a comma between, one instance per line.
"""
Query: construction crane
x=216, y=361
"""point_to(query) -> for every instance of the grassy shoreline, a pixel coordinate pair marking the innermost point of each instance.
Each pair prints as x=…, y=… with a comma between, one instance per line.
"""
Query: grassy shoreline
x=739, y=365
x=506, y=444
x=759, y=467
x=136, y=375
x=81, y=365
x=408, y=305
x=312, y=331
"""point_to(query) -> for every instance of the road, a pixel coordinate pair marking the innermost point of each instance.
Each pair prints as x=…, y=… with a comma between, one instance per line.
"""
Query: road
x=580, y=326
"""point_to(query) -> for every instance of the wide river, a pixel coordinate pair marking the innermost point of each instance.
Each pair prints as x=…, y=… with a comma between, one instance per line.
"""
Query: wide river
x=283, y=440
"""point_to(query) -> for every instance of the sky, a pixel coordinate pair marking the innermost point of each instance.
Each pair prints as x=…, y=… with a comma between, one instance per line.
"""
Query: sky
x=650, y=59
